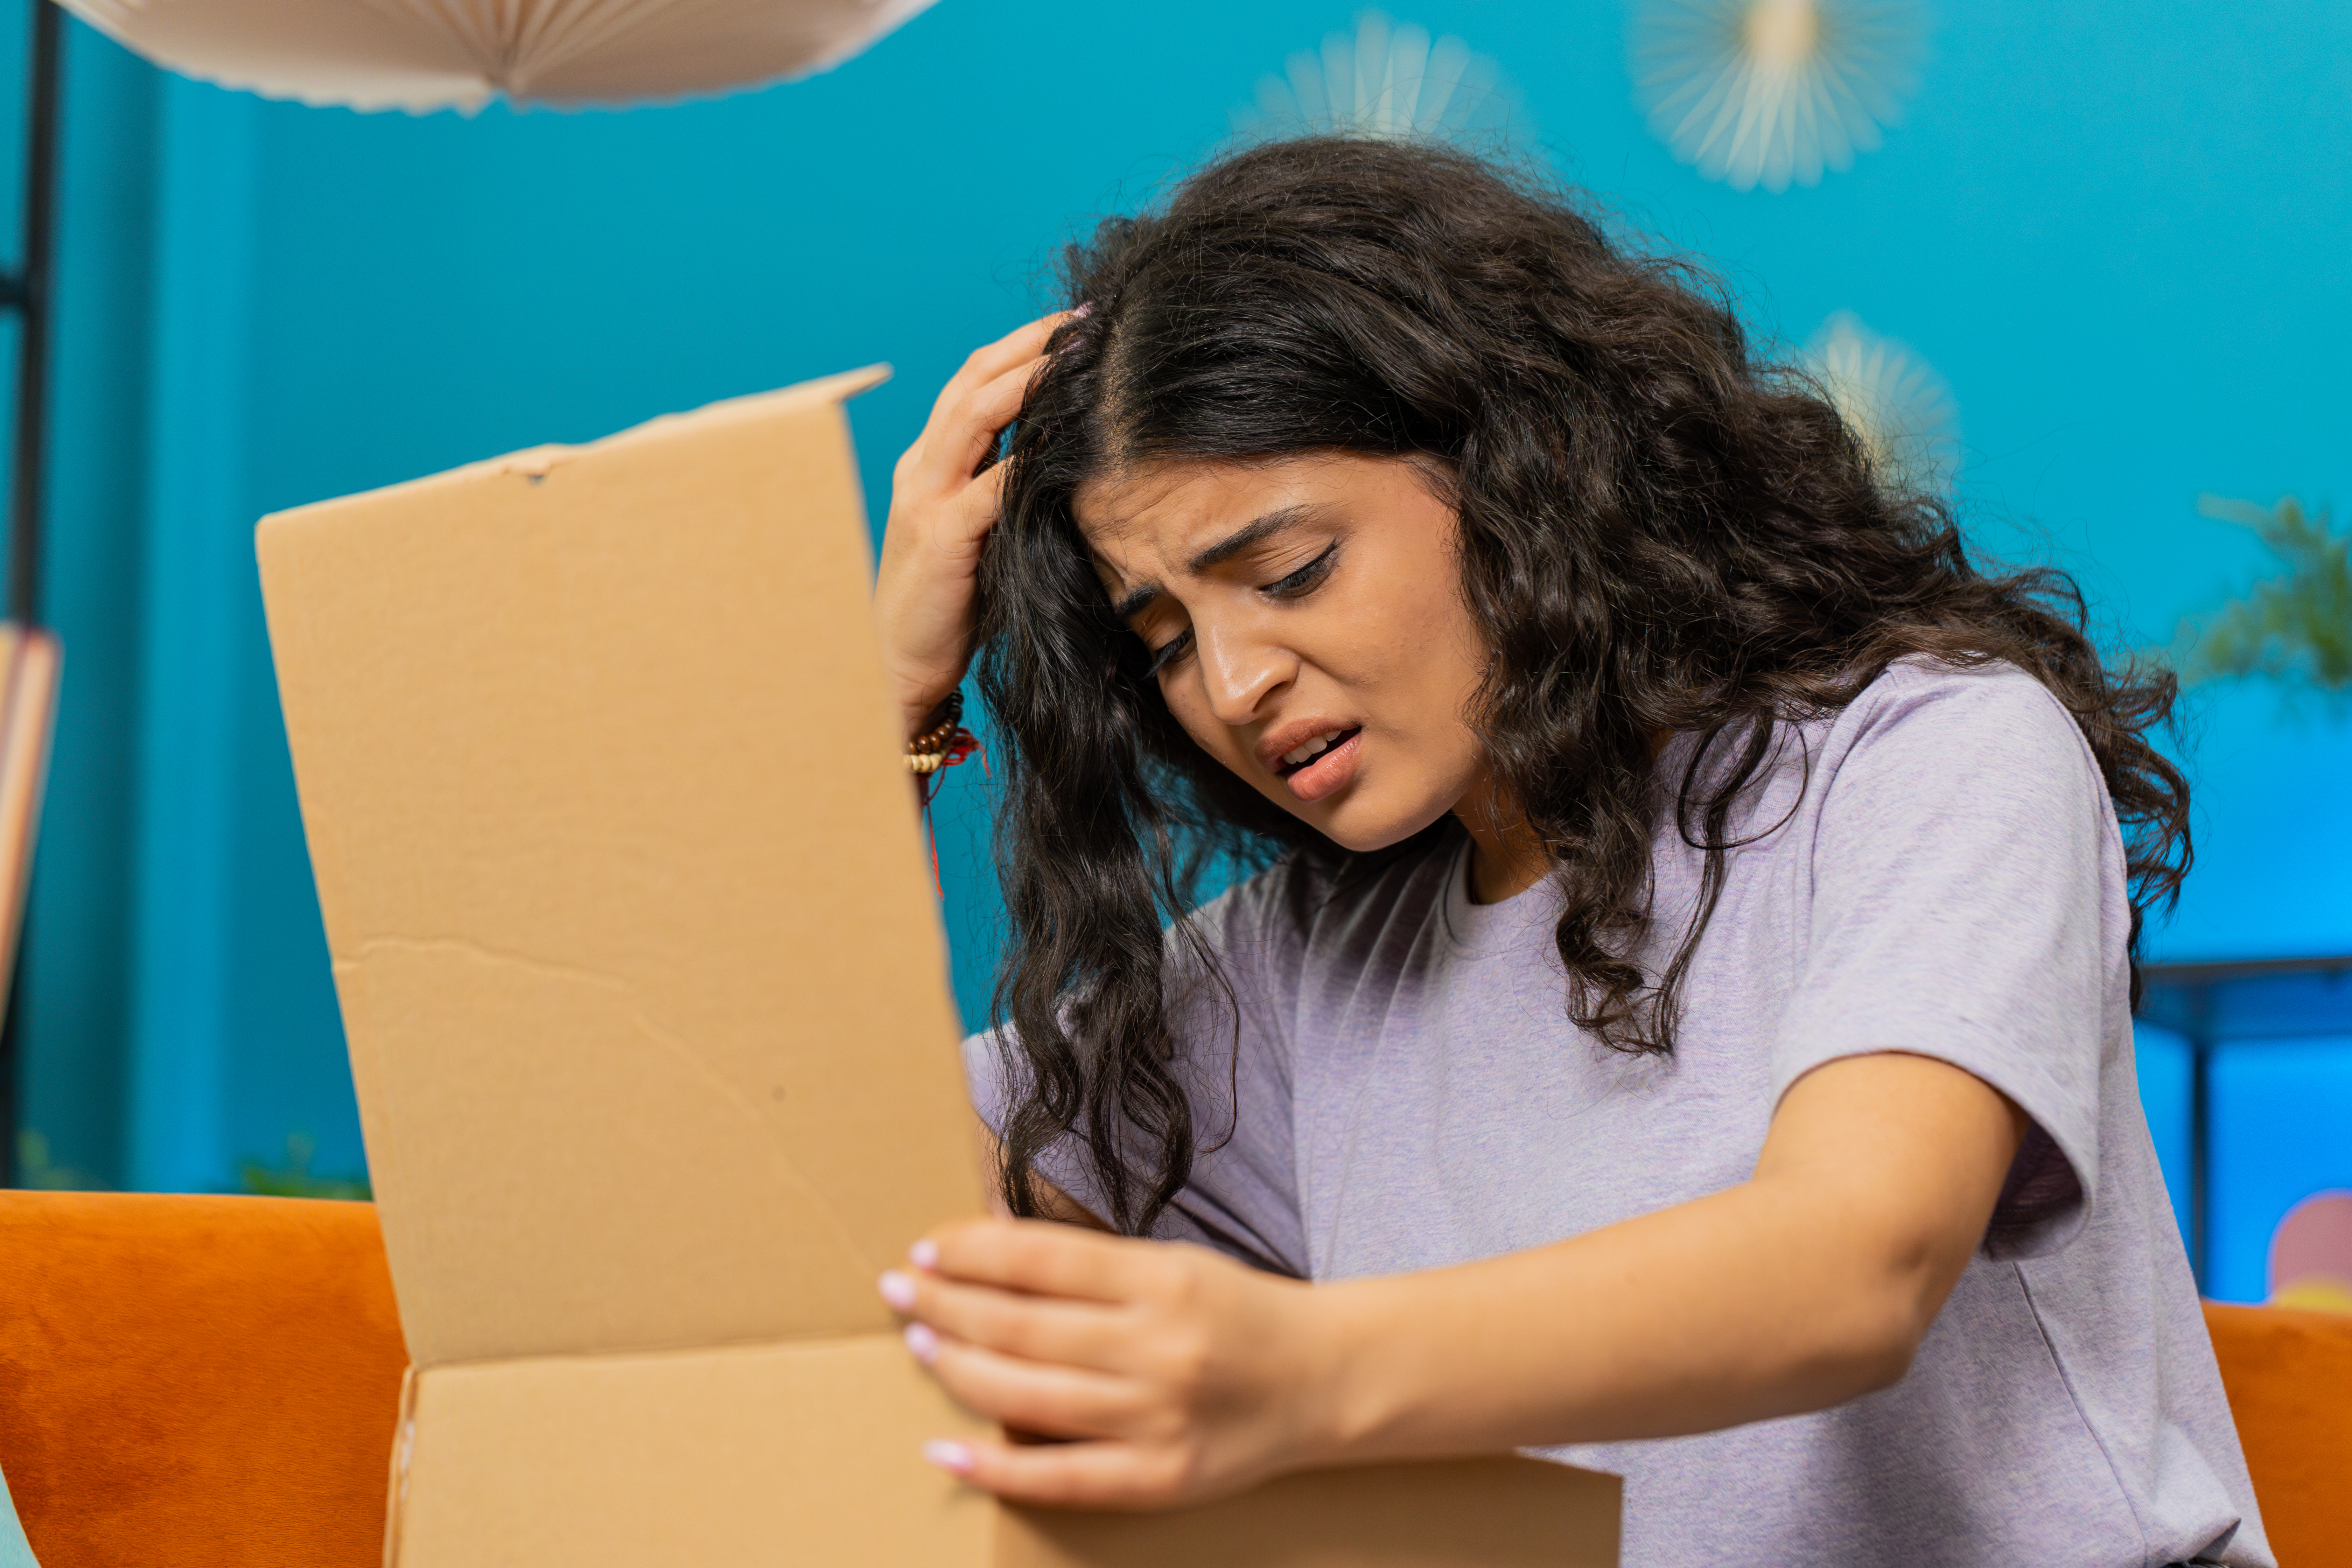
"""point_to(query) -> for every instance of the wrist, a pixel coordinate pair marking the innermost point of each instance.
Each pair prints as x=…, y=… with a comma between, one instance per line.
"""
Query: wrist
x=1349, y=1401
x=918, y=704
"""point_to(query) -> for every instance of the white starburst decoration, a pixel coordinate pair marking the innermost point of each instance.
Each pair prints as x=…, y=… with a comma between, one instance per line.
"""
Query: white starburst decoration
x=1765, y=92
x=1891, y=399
x=1383, y=82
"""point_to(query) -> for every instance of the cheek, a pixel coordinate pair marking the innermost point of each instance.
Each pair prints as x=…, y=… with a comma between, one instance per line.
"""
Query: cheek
x=1190, y=707
x=1447, y=648
x=1417, y=649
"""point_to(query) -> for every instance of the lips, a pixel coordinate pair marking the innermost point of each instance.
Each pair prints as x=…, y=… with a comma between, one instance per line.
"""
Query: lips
x=1303, y=754
x=1328, y=770
x=1314, y=754
x=1287, y=747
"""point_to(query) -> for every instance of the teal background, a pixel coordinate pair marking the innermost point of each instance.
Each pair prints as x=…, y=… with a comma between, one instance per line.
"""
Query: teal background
x=2120, y=233
x=16, y=1552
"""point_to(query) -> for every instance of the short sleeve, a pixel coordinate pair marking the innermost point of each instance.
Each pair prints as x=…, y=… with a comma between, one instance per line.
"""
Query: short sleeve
x=1966, y=883
x=1233, y=1061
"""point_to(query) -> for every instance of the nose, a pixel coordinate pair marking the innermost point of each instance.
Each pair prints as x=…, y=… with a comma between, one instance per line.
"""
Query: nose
x=1240, y=671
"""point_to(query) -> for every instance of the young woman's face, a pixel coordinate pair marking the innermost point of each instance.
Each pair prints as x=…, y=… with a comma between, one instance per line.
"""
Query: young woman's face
x=1307, y=630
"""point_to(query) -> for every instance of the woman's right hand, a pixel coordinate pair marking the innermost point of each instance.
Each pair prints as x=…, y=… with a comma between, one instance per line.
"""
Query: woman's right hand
x=942, y=505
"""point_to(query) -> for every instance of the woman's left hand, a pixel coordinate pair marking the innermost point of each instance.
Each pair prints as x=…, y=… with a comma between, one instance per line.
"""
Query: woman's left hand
x=1159, y=1372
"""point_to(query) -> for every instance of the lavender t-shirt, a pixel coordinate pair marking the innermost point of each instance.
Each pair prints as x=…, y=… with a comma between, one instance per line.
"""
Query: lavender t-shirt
x=1405, y=1091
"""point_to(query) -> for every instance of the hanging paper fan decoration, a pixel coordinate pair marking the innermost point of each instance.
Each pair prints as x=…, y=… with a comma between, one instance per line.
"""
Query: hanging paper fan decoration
x=421, y=55
x=1764, y=93
x=1893, y=401
x=1383, y=83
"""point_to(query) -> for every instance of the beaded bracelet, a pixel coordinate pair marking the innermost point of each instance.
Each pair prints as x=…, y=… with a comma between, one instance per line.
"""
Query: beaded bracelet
x=944, y=741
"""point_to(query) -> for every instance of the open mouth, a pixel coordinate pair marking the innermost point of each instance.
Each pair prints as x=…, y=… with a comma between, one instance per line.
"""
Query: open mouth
x=1305, y=753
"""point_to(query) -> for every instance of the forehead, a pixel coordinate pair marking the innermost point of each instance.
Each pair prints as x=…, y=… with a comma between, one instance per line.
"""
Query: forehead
x=1139, y=522
x=1139, y=508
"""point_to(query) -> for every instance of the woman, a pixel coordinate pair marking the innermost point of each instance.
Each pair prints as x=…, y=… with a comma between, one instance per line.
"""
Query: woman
x=1683, y=1021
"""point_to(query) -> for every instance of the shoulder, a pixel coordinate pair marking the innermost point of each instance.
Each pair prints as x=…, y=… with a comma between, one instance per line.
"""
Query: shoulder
x=1950, y=718
x=1978, y=752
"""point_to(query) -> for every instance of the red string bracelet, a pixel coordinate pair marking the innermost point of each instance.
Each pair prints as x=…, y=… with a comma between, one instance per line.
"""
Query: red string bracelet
x=943, y=743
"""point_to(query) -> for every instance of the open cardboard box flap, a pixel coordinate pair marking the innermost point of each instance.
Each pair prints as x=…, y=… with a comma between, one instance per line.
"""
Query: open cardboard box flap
x=648, y=1015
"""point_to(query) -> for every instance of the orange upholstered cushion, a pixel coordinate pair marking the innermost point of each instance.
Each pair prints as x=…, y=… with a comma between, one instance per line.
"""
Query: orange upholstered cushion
x=2289, y=1376
x=199, y=1381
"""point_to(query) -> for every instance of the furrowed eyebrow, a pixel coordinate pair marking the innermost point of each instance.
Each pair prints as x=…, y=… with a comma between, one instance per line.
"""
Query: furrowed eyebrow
x=1242, y=538
x=1257, y=533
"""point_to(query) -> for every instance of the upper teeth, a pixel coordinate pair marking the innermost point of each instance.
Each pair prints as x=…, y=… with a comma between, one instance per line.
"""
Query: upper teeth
x=1318, y=743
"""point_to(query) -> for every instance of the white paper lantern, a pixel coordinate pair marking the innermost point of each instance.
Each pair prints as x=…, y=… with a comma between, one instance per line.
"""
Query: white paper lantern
x=1893, y=400
x=1771, y=92
x=1383, y=83
x=421, y=55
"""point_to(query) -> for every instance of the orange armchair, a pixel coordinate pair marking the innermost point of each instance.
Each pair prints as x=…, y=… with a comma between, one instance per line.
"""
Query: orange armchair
x=2289, y=1376
x=202, y=1381
x=213, y=1382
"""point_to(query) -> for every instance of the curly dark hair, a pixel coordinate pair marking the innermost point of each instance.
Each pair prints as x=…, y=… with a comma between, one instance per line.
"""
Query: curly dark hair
x=1660, y=531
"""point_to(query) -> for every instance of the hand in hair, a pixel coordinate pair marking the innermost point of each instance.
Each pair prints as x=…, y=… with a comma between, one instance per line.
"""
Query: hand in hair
x=944, y=498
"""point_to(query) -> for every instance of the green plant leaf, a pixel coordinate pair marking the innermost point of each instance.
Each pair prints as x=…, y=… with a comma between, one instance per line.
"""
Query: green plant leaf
x=2295, y=625
x=293, y=1179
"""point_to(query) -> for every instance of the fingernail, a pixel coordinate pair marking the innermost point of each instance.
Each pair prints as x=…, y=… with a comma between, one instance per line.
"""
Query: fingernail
x=899, y=1289
x=924, y=1254
x=954, y=1457
x=1086, y=307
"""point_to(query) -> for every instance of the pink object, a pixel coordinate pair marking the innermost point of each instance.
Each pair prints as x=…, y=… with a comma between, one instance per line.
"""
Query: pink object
x=2314, y=1241
x=954, y=1457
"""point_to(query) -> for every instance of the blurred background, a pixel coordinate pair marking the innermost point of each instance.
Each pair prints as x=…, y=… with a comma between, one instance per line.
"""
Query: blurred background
x=2097, y=260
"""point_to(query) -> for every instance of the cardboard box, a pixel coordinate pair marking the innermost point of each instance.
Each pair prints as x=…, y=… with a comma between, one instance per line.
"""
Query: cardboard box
x=647, y=999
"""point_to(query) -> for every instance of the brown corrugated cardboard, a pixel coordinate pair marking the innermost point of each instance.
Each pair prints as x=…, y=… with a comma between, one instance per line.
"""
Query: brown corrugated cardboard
x=648, y=1008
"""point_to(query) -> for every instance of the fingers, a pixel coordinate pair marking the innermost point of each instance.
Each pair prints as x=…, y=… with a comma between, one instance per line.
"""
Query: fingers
x=978, y=401
x=1039, y=1256
x=1067, y=1475
x=990, y=361
x=1034, y=1328
x=962, y=434
x=1031, y=1396
x=962, y=527
x=1173, y=1373
x=1032, y=1361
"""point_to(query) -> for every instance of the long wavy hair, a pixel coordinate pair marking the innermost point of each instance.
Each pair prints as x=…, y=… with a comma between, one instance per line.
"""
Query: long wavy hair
x=1659, y=531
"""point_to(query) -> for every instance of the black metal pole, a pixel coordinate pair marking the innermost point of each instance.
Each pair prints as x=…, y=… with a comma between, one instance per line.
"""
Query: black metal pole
x=29, y=294
x=2200, y=1158
x=27, y=469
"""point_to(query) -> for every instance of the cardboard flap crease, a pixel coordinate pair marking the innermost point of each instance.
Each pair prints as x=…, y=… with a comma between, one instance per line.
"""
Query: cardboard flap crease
x=647, y=999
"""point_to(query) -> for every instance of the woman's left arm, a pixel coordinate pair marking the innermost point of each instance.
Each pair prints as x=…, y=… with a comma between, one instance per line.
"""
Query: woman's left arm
x=1175, y=1373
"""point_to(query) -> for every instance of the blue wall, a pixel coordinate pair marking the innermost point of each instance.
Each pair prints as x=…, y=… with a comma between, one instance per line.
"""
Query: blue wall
x=2119, y=233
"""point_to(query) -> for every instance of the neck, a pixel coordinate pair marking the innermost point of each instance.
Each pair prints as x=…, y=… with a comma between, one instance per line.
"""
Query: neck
x=1506, y=858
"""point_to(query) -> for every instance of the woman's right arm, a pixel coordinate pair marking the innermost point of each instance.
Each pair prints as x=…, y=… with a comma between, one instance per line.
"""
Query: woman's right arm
x=942, y=503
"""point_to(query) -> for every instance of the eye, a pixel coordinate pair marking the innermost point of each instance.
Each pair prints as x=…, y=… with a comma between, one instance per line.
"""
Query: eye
x=1307, y=578
x=1169, y=652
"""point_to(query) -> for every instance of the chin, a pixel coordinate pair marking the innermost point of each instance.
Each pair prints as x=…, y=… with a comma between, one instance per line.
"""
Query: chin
x=1363, y=828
